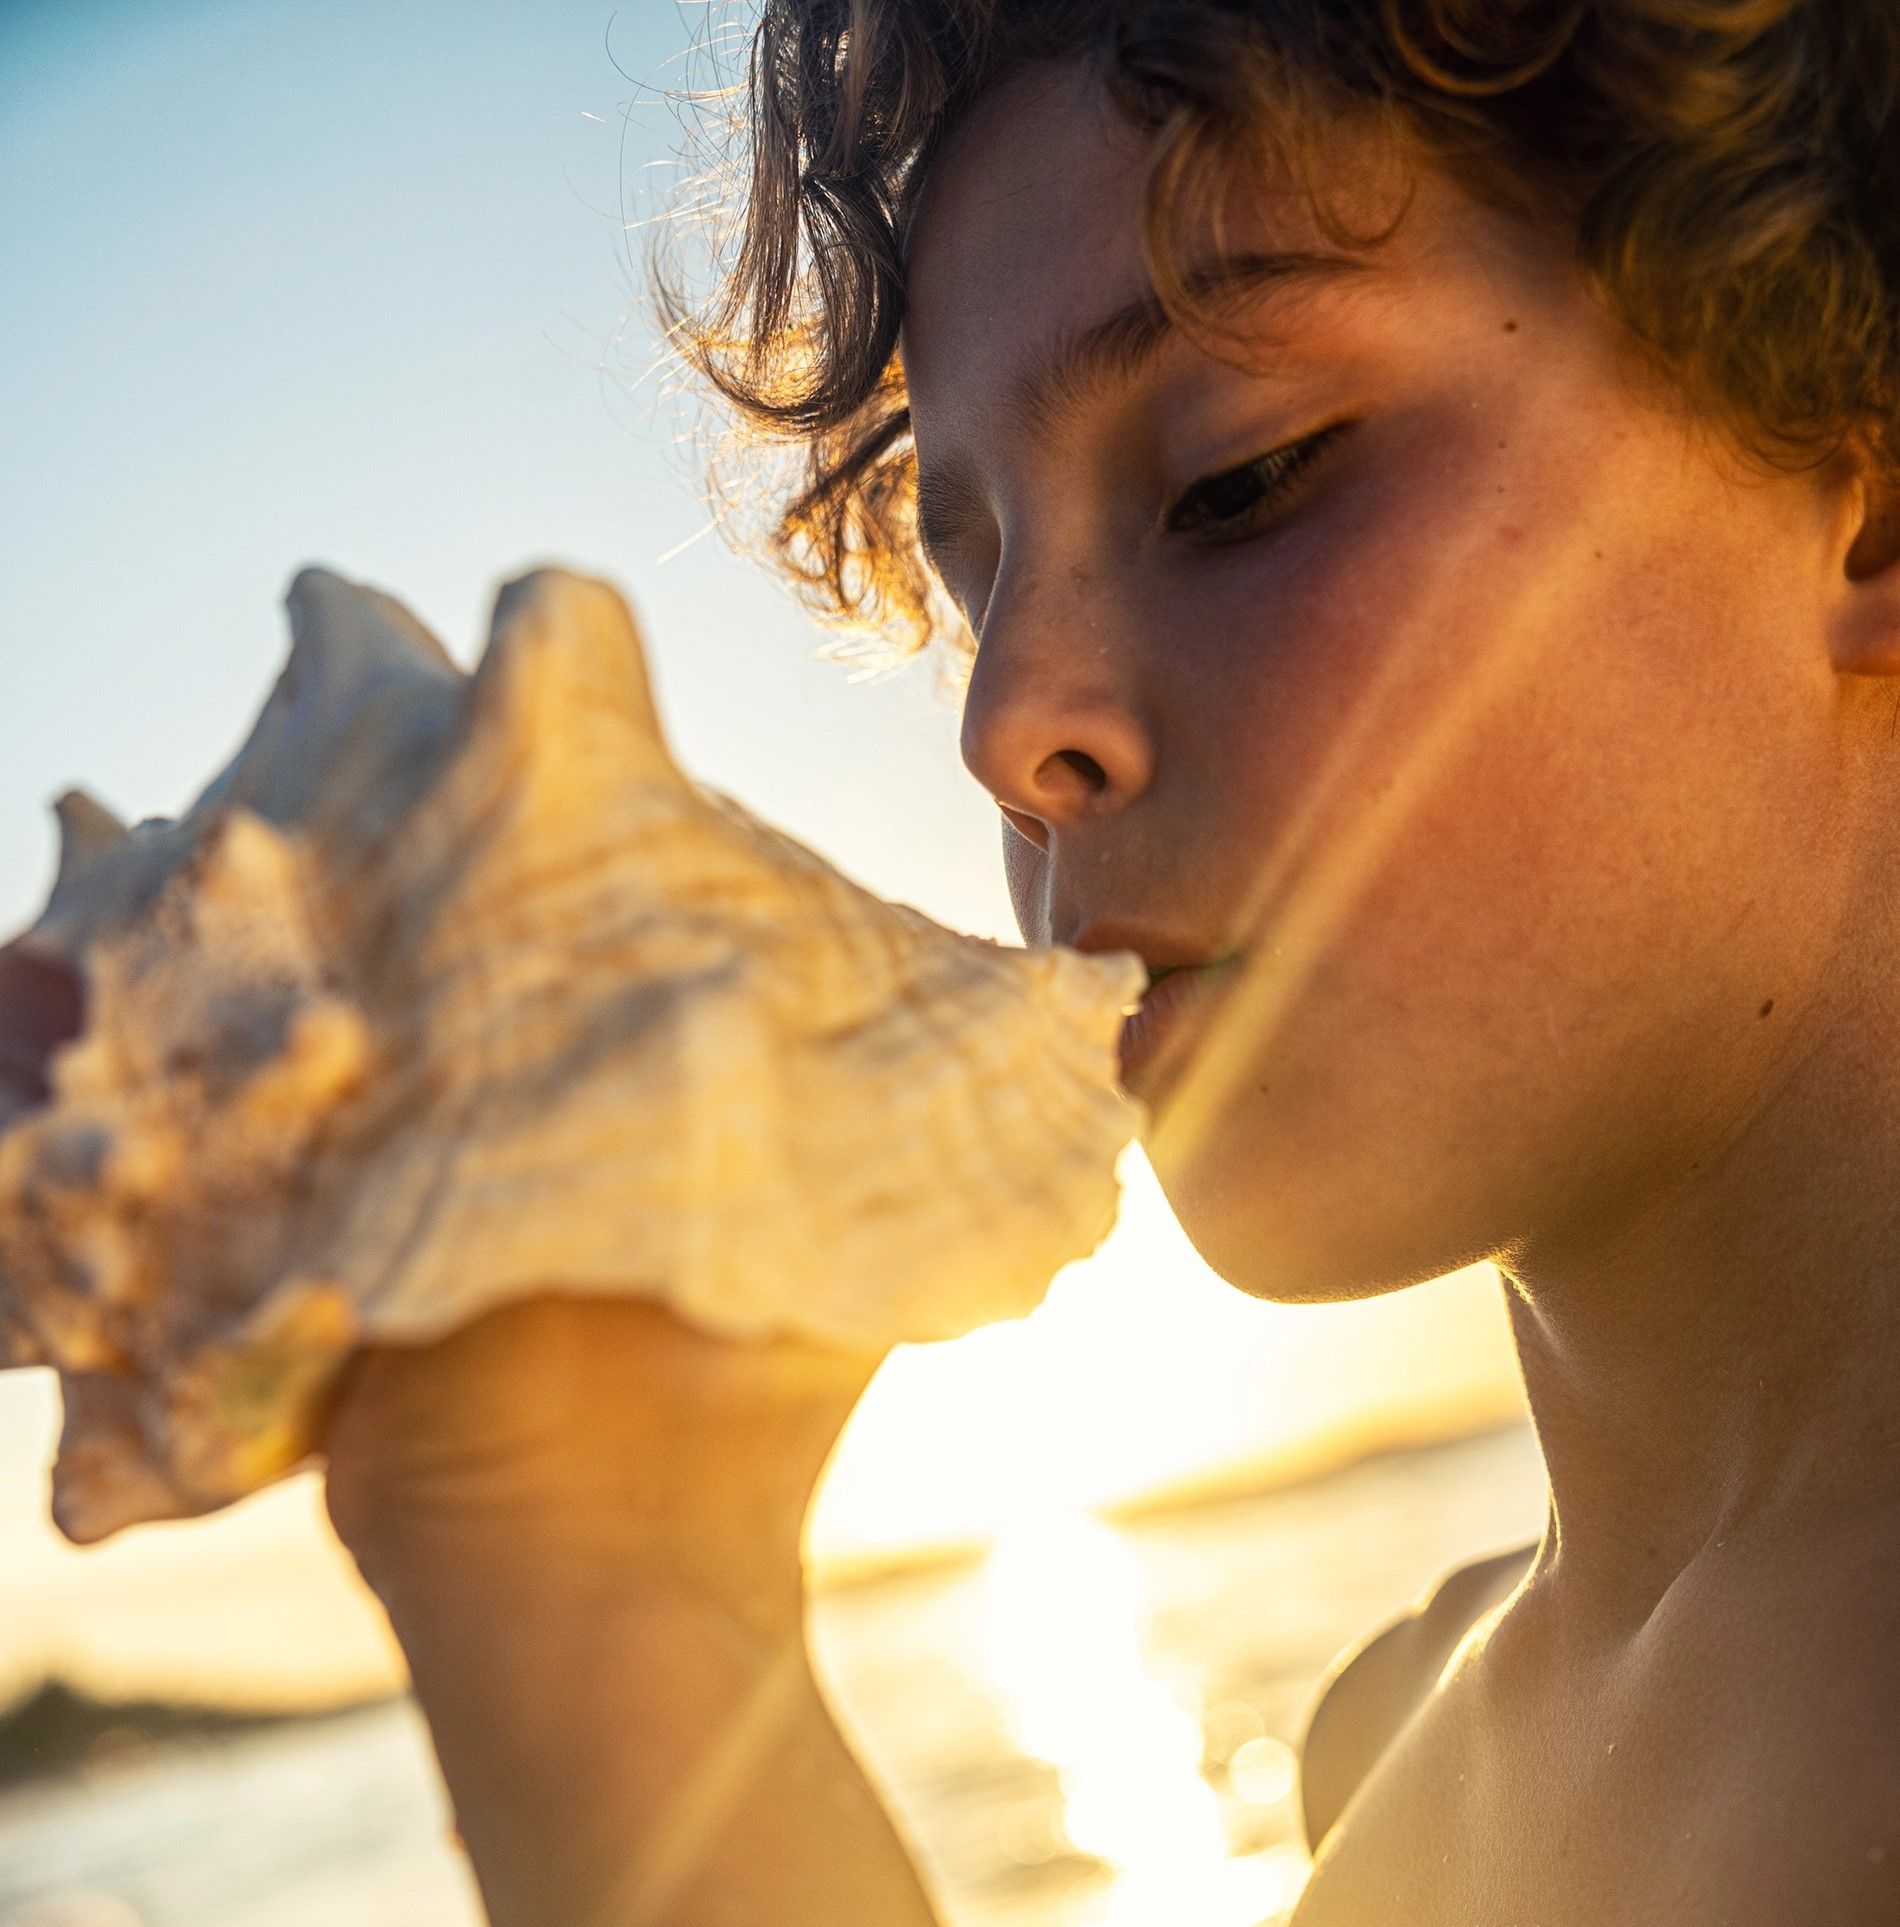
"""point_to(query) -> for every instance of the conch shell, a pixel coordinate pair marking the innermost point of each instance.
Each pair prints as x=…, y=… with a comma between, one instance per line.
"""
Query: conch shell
x=452, y=989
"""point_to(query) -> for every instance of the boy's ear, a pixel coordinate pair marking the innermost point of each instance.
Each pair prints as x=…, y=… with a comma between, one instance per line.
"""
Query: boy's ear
x=1867, y=638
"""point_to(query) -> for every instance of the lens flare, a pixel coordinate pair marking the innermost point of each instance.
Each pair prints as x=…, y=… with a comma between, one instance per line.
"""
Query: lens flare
x=1318, y=871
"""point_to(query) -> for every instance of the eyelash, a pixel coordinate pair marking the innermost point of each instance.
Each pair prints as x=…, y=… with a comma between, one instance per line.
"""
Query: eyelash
x=1276, y=476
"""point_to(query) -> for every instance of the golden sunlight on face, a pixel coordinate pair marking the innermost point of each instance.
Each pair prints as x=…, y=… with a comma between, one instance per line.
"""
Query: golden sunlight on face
x=1433, y=661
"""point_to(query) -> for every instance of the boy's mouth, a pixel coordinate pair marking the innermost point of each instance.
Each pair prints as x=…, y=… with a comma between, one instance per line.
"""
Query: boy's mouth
x=1161, y=951
x=1156, y=972
x=1170, y=1011
x=1180, y=986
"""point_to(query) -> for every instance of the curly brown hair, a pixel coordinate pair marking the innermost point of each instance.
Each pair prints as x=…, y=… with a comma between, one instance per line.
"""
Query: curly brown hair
x=1731, y=169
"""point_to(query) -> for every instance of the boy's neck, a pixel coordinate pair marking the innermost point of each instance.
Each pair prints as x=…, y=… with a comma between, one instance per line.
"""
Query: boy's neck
x=1726, y=1362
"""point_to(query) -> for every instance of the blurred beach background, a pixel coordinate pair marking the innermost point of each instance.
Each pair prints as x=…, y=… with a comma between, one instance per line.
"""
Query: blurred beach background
x=357, y=281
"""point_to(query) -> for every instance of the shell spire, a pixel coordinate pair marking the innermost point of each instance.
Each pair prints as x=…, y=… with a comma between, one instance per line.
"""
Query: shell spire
x=88, y=832
x=564, y=673
x=342, y=632
x=355, y=720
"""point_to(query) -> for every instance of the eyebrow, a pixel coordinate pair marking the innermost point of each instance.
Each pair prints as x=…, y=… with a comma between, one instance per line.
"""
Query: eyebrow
x=1077, y=367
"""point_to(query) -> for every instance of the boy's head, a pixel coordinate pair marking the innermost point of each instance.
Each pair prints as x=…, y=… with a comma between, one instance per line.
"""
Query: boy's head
x=1417, y=478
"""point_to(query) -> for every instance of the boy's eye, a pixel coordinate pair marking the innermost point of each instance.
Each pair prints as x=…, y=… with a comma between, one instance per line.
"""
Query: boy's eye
x=1238, y=500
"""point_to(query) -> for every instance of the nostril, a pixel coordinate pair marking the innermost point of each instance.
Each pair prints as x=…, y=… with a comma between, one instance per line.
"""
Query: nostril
x=1085, y=766
x=42, y=1006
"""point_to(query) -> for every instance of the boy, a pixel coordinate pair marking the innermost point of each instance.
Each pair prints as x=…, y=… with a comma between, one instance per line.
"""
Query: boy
x=1417, y=485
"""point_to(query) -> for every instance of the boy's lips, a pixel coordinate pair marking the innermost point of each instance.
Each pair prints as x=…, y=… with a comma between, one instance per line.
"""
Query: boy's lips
x=1163, y=951
x=1183, y=977
x=1178, y=996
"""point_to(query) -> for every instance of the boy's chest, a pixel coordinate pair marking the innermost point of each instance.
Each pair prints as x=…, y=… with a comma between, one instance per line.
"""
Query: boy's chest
x=1675, y=1790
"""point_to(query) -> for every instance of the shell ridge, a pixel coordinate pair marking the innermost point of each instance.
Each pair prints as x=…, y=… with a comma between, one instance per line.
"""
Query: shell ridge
x=453, y=988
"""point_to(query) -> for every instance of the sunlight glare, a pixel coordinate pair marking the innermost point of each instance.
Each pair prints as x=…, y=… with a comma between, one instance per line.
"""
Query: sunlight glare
x=1064, y=1619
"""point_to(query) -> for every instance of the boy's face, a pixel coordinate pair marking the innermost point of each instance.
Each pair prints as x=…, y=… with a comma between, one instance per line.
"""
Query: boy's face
x=1504, y=743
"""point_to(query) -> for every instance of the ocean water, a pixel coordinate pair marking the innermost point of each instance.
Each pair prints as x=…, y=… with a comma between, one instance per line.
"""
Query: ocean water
x=1091, y=1727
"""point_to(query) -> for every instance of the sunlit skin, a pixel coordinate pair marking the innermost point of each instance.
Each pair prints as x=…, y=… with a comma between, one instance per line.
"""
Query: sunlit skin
x=1542, y=1008
x=1610, y=998
x=1538, y=755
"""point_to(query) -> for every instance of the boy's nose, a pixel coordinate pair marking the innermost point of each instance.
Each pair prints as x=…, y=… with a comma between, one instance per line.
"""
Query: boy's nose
x=1053, y=732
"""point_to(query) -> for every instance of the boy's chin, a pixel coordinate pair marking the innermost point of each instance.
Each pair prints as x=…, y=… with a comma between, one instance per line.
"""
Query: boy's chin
x=1294, y=1253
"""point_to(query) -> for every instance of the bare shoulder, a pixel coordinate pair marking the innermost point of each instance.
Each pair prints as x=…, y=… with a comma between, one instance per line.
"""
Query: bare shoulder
x=1374, y=1688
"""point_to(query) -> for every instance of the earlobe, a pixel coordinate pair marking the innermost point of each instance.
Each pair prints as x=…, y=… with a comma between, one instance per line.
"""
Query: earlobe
x=1867, y=637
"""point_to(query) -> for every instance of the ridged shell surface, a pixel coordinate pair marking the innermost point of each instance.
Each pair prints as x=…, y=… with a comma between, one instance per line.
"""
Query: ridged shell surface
x=454, y=989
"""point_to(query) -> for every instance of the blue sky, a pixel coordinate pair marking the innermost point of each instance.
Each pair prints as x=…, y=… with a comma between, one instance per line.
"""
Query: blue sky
x=338, y=281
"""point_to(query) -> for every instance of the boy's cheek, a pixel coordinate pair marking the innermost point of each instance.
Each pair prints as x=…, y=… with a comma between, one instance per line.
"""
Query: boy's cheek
x=1549, y=990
